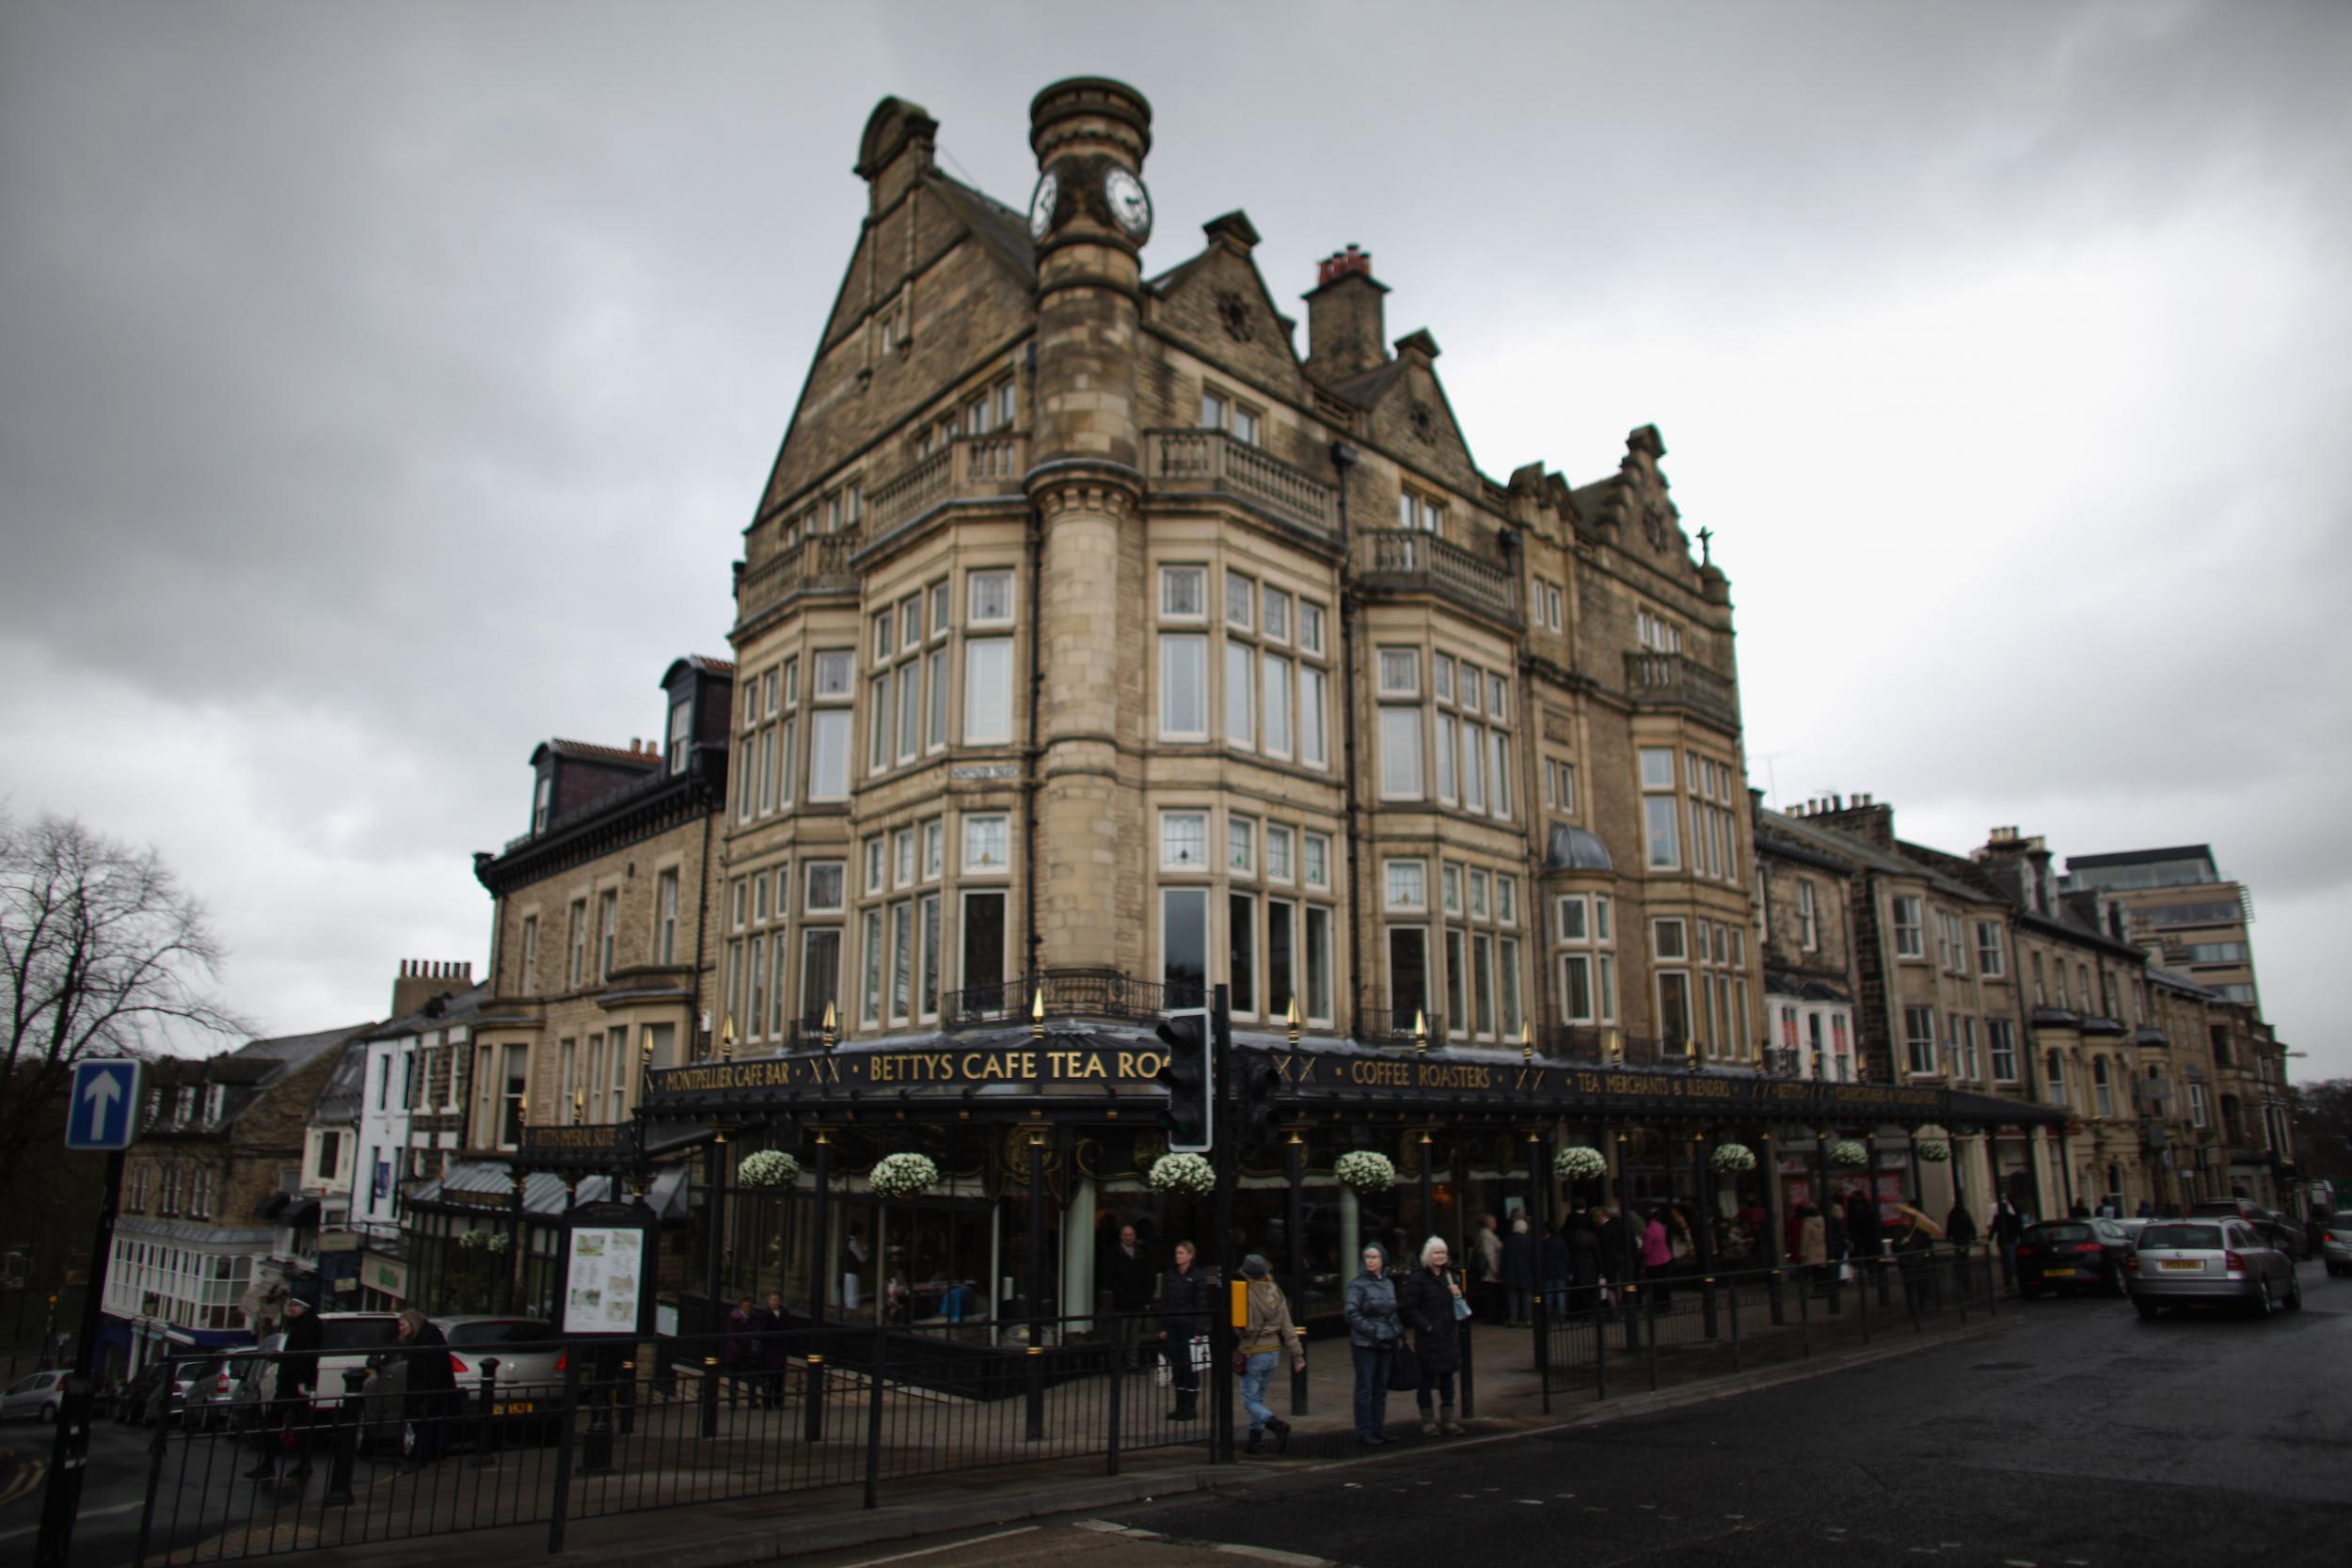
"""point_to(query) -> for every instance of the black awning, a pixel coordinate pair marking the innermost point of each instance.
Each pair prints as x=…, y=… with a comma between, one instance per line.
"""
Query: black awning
x=302, y=1215
x=272, y=1206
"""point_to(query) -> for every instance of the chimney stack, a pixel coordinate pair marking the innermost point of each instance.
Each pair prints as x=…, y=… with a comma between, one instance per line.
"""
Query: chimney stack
x=422, y=979
x=1346, y=330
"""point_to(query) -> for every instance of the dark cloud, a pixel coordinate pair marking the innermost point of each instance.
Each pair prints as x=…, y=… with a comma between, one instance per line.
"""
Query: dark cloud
x=382, y=391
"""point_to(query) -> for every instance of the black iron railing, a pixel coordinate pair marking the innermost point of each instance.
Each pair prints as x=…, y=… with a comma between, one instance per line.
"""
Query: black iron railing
x=1086, y=993
x=589, y=1431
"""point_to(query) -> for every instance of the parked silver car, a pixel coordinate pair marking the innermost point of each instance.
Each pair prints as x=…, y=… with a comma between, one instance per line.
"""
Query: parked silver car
x=2337, y=1247
x=2210, y=1262
x=528, y=1356
x=35, y=1397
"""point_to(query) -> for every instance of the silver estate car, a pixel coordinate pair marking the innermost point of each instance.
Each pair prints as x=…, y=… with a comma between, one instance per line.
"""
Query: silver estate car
x=2209, y=1262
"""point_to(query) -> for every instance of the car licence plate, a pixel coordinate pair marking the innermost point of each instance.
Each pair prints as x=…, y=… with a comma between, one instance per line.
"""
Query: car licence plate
x=2063, y=1274
x=2186, y=1265
x=514, y=1407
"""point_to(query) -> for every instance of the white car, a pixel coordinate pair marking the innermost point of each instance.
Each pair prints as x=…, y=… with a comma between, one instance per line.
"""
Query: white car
x=37, y=1395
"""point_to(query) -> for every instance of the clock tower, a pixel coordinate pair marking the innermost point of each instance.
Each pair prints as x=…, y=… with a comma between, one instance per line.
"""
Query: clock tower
x=1089, y=216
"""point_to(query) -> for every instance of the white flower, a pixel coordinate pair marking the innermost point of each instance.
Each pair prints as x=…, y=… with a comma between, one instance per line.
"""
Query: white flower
x=1933, y=1151
x=1184, y=1173
x=768, y=1168
x=1365, y=1171
x=1579, y=1162
x=1732, y=1159
x=901, y=1175
x=1848, y=1155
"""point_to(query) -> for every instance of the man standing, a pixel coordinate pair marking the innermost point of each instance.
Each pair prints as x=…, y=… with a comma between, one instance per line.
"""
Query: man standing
x=2008, y=1228
x=1130, y=1280
x=428, y=1404
x=1187, y=1299
x=776, y=1352
x=289, y=1417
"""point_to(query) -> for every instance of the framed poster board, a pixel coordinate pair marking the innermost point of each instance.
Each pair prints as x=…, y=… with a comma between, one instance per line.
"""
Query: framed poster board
x=609, y=1268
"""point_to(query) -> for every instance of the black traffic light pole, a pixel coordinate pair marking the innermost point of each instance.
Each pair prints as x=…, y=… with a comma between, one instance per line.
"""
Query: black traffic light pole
x=1228, y=1267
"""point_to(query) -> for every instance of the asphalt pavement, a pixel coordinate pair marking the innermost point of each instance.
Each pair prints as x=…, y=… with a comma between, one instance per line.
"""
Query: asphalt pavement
x=2074, y=1436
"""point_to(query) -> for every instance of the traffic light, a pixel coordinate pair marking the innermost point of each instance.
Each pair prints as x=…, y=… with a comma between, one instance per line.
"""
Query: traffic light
x=1190, y=1116
x=1260, y=1082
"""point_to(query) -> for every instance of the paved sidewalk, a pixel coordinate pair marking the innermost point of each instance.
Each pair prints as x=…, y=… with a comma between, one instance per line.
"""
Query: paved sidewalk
x=749, y=1529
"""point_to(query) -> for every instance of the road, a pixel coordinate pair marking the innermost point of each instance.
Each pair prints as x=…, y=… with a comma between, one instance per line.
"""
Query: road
x=2075, y=1436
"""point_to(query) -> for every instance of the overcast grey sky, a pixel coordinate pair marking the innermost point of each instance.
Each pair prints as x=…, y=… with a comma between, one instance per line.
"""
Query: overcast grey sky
x=384, y=388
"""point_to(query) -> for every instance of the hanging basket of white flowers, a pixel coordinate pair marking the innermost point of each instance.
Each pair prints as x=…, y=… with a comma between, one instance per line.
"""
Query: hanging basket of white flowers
x=1933, y=1151
x=1187, y=1175
x=769, y=1168
x=1363, y=1171
x=1732, y=1160
x=1846, y=1154
x=1579, y=1162
x=902, y=1175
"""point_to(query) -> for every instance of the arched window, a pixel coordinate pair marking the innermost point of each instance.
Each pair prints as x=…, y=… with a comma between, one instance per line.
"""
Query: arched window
x=2098, y=1086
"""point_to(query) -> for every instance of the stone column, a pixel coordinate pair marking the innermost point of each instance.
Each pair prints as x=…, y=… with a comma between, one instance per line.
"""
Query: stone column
x=1086, y=479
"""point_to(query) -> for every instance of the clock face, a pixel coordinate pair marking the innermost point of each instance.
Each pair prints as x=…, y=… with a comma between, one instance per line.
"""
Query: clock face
x=1130, y=206
x=1041, y=205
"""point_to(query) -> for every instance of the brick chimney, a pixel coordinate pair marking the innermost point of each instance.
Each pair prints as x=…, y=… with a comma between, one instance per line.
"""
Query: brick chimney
x=1345, y=319
x=423, y=979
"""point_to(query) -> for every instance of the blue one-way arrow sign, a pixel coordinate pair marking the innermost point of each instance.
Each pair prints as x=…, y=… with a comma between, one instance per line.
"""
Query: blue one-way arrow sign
x=107, y=1099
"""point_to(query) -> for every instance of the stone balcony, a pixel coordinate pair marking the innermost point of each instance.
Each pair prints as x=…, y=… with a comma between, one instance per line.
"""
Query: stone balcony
x=1395, y=559
x=970, y=468
x=1210, y=462
x=1672, y=680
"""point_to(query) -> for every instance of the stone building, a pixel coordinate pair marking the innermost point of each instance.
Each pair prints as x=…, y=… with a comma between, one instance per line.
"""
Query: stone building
x=602, y=968
x=212, y=1219
x=1104, y=635
x=1088, y=627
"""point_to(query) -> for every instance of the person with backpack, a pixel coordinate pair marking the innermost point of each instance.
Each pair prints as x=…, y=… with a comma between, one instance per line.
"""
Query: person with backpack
x=1267, y=1337
x=1374, y=1331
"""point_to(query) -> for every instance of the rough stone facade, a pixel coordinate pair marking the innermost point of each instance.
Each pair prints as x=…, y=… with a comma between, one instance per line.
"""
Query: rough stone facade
x=1137, y=569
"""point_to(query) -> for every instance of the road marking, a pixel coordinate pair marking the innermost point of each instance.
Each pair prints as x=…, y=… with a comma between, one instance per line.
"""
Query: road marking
x=1230, y=1548
x=86, y=1513
x=950, y=1546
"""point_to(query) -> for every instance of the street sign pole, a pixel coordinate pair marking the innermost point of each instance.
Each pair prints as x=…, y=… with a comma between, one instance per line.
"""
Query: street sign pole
x=71, y=1451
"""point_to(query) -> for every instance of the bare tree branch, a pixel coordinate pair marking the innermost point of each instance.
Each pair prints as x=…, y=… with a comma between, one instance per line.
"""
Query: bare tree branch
x=101, y=949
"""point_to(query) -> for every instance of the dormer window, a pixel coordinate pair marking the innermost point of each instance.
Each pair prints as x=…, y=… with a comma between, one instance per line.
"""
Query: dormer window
x=216, y=1100
x=681, y=730
x=543, y=801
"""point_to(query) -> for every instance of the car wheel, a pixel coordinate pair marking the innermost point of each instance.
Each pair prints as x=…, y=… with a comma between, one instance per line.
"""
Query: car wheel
x=2294, y=1292
x=48, y=1413
x=2262, y=1308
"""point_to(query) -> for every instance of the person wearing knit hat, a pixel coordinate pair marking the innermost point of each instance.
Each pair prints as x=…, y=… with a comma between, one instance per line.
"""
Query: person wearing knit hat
x=1266, y=1335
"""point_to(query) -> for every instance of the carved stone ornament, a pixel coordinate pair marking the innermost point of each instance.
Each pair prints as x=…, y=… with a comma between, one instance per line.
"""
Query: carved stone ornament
x=1234, y=312
x=1654, y=525
x=1424, y=423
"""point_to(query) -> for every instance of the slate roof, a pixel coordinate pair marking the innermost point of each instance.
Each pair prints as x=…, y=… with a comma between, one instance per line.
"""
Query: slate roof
x=341, y=1096
x=1869, y=856
x=1001, y=228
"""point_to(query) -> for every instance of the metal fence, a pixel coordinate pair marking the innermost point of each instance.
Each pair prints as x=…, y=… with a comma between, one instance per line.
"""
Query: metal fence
x=610, y=1431
x=1678, y=1327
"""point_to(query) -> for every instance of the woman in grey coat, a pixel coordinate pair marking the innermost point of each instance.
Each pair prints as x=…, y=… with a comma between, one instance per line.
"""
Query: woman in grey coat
x=1374, y=1329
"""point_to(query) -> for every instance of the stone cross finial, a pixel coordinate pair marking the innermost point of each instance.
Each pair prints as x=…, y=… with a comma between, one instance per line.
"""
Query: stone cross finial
x=1706, y=557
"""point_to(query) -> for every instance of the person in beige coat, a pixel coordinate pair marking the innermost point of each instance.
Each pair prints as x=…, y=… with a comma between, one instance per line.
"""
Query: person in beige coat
x=1267, y=1337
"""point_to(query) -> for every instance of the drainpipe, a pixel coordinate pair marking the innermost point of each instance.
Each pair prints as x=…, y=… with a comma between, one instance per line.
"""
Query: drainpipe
x=1343, y=457
x=702, y=906
x=1031, y=964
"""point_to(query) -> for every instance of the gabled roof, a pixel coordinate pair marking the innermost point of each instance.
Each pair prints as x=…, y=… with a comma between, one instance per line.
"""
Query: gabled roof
x=1002, y=229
